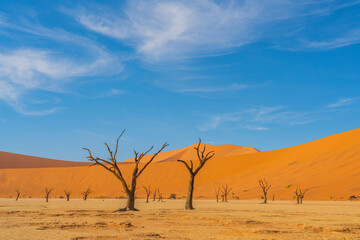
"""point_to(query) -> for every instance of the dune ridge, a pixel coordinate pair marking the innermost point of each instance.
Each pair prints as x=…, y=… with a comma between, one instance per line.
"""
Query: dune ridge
x=13, y=160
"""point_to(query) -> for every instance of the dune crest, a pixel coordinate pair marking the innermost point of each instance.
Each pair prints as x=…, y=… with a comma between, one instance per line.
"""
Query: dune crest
x=13, y=160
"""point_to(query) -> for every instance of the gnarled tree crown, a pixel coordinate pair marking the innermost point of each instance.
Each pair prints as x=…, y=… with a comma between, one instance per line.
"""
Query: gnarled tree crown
x=203, y=157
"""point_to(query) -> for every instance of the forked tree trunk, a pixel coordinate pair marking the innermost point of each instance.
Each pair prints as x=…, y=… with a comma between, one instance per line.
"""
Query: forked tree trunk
x=189, y=198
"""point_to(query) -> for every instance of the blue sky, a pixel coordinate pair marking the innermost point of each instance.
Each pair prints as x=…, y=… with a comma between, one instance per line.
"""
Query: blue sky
x=267, y=74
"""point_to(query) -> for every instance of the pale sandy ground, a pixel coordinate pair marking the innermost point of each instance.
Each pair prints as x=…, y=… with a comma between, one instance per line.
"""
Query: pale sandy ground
x=94, y=219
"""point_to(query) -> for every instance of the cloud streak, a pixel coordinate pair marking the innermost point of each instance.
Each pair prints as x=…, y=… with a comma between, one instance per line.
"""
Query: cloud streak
x=164, y=29
x=342, y=102
x=29, y=69
x=256, y=118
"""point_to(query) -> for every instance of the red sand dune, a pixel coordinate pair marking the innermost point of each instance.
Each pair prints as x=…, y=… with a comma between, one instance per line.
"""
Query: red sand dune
x=12, y=160
x=328, y=167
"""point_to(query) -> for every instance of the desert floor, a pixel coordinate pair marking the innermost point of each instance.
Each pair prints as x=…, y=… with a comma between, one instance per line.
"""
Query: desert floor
x=94, y=219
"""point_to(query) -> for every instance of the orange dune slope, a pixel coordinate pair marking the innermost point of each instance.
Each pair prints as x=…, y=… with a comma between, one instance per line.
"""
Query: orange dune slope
x=189, y=153
x=12, y=160
x=328, y=167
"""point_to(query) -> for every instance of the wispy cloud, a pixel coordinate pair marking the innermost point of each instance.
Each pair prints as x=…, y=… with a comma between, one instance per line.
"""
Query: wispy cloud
x=255, y=128
x=166, y=29
x=232, y=87
x=28, y=69
x=112, y=92
x=342, y=102
x=350, y=38
x=255, y=118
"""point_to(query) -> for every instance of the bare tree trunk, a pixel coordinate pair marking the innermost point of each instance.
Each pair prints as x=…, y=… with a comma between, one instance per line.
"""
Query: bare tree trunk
x=17, y=195
x=189, y=198
x=67, y=197
x=148, y=192
x=154, y=196
x=265, y=196
x=130, y=203
x=217, y=193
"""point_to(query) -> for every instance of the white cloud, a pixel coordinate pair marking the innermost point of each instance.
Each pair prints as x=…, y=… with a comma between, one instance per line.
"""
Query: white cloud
x=112, y=92
x=26, y=70
x=165, y=29
x=352, y=37
x=255, y=128
x=30, y=69
x=261, y=115
x=342, y=102
x=232, y=87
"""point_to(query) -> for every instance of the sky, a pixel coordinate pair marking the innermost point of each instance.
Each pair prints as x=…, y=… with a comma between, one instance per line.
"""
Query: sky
x=268, y=74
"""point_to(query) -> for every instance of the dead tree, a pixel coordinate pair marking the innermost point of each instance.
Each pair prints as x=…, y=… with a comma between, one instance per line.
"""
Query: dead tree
x=67, y=193
x=159, y=196
x=154, y=195
x=17, y=194
x=353, y=197
x=203, y=158
x=299, y=194
x=111, y=165
x=265, y=187
x=225, y=191
x=47, y=192
x=148, y=192
x=86, y=193
x=217, y=193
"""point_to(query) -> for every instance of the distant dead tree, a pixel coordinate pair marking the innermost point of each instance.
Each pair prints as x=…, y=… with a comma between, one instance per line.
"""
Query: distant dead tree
x=86, y=193
x=47, y=192
x=217, y=193
x=225, y=191
x=160, y=198
x=17, y=194
x=353, y=197
x=112, y=166
x=203, y=158
x=67, y=193
x=273, y=198
x=299, y=194
x=148, y=192
x=154, y=195
x=265, y=187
